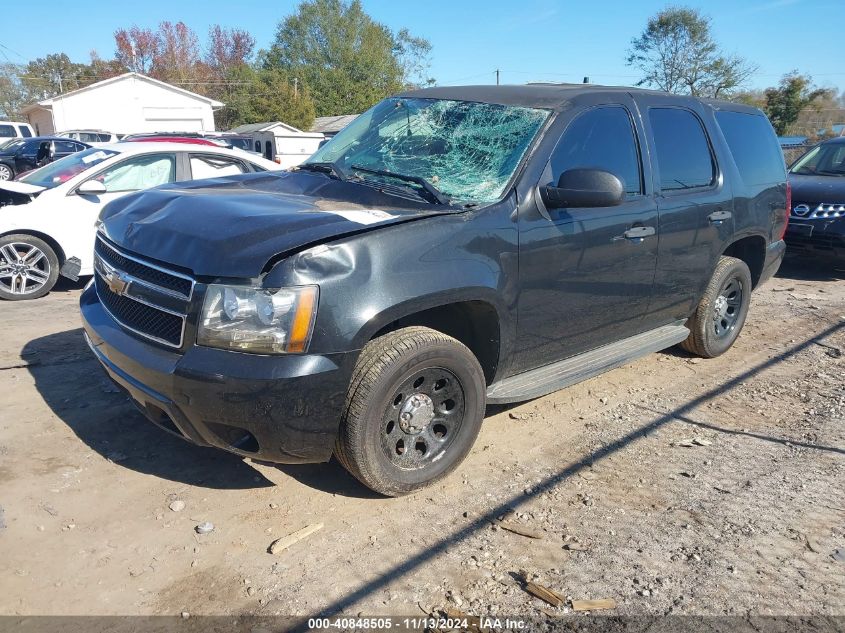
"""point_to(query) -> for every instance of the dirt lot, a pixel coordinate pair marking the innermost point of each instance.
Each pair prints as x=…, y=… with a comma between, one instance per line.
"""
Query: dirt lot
x=672, y=485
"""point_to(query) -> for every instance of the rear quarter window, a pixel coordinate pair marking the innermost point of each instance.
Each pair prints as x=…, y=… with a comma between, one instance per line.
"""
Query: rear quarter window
x=25, y=132
x=754, y=147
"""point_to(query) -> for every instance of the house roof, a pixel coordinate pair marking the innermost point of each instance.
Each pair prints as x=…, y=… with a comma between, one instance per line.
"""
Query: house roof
x=250, y=128
x=332, y=124
x=47, y=103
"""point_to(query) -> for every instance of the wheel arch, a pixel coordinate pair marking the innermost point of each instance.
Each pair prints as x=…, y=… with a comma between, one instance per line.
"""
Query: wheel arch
x=474, y=321
x=752, y=250
x=51, y=242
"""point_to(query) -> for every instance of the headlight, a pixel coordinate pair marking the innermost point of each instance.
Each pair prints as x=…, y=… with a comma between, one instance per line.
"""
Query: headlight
x=258, y=320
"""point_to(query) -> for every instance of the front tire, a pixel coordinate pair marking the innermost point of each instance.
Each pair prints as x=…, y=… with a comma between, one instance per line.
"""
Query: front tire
x=6, y=172
x=413, y=410
x=720, y=315
x=29, y=268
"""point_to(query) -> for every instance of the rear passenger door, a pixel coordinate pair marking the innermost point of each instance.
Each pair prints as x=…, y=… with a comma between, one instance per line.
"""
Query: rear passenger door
x=694, y=202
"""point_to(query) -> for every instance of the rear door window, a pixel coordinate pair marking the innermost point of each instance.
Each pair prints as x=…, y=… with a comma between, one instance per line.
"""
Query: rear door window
x=8, y=131
x=209, y=166
x=66, y=147
x=754, y=146
x=684, y=159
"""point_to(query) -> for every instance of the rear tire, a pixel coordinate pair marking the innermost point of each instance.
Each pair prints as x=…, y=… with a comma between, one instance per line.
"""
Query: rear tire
x=413, y=410
x=720, y=315
x=29, y=267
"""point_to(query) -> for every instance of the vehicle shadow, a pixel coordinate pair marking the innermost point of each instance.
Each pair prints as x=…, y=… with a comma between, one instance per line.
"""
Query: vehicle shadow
x=328, y=477
x=806, y=269
x=63, y=284
x=76, y=389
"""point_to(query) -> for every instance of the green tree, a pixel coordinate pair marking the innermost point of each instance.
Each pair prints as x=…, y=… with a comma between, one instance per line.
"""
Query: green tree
x=677, y=53
x=795, y=94
x=54, y=74
x=13, y=94
x=256, y=95
x=347, y=60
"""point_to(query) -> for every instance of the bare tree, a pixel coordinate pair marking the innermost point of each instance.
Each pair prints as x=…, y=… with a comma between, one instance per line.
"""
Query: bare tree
x=677, y=53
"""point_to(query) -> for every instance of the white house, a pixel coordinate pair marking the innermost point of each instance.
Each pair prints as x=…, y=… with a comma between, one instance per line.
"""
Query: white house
x=125, y=104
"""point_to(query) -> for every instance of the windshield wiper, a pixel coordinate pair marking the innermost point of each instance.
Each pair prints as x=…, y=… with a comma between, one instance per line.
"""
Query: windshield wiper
x=434, y=193
x=324, y=168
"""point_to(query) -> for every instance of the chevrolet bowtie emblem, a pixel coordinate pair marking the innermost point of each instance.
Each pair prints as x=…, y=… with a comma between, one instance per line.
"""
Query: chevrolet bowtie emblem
x=116, y=282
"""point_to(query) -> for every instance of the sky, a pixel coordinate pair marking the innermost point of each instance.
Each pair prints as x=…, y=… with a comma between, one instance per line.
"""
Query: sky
x=527, y=40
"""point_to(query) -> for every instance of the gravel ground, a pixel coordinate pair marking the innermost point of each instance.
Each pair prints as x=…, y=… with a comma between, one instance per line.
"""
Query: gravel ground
x=671, y=485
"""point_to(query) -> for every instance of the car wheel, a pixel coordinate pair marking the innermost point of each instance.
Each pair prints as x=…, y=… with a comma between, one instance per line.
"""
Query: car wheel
x=720, y=315
x=6, y=172
x=29, y=268
x=413, y=410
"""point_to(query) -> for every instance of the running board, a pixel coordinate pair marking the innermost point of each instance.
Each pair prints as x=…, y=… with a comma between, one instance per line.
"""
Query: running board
x=538, y=382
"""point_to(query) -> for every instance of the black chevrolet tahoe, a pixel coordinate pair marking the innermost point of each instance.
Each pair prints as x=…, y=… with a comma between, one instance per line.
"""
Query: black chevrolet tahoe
x=451, y=248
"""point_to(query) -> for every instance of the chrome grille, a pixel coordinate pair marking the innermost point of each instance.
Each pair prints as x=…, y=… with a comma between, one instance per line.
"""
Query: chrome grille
x=822, y=211
x=144, y=271
x=143, y=298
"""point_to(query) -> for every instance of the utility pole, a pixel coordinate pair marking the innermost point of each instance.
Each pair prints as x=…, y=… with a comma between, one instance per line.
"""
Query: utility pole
x=295, y=88
x=497, y=76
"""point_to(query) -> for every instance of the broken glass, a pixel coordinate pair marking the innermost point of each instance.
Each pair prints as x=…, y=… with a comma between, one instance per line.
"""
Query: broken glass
x=467, y=150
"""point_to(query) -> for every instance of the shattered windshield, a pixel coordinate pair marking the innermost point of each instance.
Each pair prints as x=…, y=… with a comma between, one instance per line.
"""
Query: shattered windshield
x=466, y=150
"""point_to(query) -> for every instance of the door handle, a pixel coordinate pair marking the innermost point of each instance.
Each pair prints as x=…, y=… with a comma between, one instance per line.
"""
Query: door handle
x=717, y=217
x=637, y=233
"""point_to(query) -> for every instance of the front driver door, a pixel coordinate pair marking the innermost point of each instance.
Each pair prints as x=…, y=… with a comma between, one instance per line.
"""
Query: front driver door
x=582, y=282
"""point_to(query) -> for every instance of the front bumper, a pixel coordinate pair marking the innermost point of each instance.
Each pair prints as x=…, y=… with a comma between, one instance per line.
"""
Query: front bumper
x=774, y=256
x=819, y=238
x=283, y=409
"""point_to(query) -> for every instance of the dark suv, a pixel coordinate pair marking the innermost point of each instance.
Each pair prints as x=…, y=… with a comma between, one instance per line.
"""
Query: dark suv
x=451, y=248
x=817, y=227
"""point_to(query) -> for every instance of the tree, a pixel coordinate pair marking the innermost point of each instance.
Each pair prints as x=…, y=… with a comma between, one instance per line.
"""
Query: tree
x=13, y=94
x=795, y=94
x=677, y=53
x=256, y=95
x=136, y=48
x=347, y=60
x=100, y=69
x=178, y=54
x=52, y=75
x=228, y=48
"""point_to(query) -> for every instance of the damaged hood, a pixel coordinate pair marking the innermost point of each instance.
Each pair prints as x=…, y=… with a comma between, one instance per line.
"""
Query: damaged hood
x=232, y=227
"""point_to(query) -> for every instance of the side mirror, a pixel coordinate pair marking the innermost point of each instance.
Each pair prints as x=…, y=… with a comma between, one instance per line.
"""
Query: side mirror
x=584, y=188
x=91, y=188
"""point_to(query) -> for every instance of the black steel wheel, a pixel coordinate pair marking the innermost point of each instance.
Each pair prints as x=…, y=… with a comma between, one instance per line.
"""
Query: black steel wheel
x=721, y=312
x=414, y=408
x=423, y=419
x=727, y=307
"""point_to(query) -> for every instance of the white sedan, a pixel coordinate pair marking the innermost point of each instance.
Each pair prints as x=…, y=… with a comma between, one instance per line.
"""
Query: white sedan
x=47, y=217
